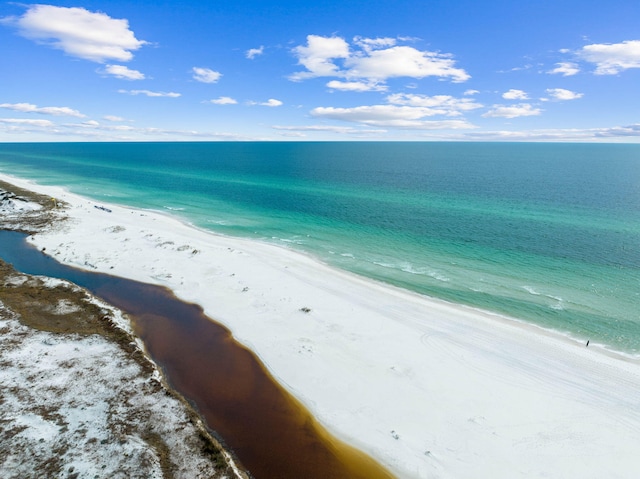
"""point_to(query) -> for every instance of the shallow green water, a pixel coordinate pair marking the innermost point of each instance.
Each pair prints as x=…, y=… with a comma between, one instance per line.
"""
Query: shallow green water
x=548, y=233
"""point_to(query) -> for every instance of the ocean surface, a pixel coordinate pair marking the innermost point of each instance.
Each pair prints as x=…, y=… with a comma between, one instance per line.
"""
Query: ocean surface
x=547, y=233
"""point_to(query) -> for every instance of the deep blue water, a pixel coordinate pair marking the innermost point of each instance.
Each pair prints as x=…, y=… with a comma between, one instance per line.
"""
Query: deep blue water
x=548, y=233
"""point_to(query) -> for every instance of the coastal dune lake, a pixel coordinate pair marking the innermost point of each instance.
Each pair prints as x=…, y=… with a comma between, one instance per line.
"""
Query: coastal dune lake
x=272, y=434
x=546, y=233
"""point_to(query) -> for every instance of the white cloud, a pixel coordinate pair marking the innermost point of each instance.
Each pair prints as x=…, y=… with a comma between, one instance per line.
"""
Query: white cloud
x=372, y=61
x=515, y=95
x=374, y=113
x=113, y=118
x=565, y=69
x=619, y=131
x=355, y=86
x=205, y=75
x=558, y=134
x=512, y=111
x=403, y=61
x=106, y=132
x=406, y=111
x=120, y=128
x=344, y=130
x=272, y=102
x=223, y=100
x=293, y=134
x=522, y=68
x=122, y=72
x=440, y=104
x=46, y=110
x=611, y=59
x=317, y=56
x=78, y=32
x=368, y=44
x=471, y=92
x=562, y=94
x=20, y=121
x=254, y=52
x=151, y=93
x=405, y=117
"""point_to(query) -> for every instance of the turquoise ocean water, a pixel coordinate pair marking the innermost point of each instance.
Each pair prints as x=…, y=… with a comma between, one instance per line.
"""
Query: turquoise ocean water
x=548, y=233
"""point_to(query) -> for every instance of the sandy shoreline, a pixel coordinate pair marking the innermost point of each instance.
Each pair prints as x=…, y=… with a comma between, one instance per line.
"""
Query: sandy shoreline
x=427, y=388
x=79, y=398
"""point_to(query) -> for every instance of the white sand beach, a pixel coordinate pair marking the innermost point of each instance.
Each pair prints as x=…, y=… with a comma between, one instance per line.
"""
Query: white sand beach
x=427, y=388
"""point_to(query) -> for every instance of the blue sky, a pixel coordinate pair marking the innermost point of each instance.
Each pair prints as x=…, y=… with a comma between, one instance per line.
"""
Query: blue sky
x=473, y=70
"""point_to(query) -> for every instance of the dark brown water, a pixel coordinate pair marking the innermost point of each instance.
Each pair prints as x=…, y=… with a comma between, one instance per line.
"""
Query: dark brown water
x=270, y=432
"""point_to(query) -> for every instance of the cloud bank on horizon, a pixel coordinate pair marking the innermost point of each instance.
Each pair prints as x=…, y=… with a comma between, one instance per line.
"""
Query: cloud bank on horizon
x=206, y=71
